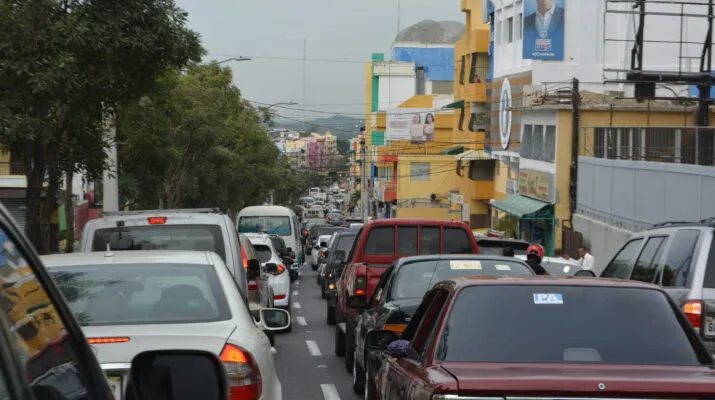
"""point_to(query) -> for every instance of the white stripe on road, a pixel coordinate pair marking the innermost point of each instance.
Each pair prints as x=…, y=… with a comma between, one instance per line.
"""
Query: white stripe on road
x=296, y=305
x=313, y=348
x=330, y=392
x=295, y=293
x=301, y=321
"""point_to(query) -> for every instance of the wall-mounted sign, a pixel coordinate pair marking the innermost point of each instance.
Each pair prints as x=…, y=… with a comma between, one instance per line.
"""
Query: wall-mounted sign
x=544, y=23
x=505, y=114
x=539, y=185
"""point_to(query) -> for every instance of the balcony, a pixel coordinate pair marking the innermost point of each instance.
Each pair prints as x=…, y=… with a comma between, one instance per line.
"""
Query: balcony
x=8, y=168
x=483, y=190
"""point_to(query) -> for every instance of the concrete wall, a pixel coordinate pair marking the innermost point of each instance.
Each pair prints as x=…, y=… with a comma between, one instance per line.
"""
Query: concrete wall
x=618, y=197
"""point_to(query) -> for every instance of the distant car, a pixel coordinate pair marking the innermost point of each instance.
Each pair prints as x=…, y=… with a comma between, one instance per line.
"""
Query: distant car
x=321, y=246
x=129, y=302
x=496, y=246
x=272, y=268
x=587, y=338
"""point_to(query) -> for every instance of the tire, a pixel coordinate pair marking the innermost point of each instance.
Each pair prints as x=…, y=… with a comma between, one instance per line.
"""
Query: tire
x=370, y=389
x=349, y=347
x=358, y=375
x=339, y=342
x=330, y=316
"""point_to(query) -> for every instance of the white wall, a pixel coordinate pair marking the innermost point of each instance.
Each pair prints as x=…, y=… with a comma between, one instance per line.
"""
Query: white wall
x=603, y=240
x=394, y=90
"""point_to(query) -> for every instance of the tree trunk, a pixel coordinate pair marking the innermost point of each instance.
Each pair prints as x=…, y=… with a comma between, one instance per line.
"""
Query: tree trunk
x=69, y=207
x=49, y=205
x=33, y=195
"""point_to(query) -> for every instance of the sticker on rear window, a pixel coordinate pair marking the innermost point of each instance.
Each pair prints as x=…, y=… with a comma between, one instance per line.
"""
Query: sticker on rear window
x=502, y=267
x=457, y=265
x=548, y=298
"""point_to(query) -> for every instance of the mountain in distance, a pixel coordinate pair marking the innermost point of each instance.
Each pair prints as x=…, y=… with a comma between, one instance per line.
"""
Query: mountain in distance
x=343, y=127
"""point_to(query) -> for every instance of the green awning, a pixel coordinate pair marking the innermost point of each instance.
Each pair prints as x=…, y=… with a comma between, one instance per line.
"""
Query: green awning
x=349, y=164
x=522, y=206
x=455, y=105
x=453, y=151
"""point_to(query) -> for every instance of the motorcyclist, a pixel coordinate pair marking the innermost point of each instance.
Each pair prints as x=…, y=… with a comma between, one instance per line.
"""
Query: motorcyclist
x=534, y=255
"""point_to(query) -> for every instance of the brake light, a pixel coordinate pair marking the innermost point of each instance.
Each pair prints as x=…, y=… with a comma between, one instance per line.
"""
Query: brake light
x=397, y=328
x=244, y=256
x=280, y=268
x=104, y=340
x=156, y=220
x=322, y=254
x=361, y=285
x=279, y=297
x=305, y=233
x=252, y=285
x=244, y=377
x=693, y=310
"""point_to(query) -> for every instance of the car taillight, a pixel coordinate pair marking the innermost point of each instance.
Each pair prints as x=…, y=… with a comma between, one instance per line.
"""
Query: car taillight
x=104, y=340
x=244, y=377
x=244, y=256
x=397, y=328
x=322, y=254
x=279, y=269
x=693, y=310
x=279, y=297
x=305, y=233
x=252, y=285
x=156, y=220
x=361, y=285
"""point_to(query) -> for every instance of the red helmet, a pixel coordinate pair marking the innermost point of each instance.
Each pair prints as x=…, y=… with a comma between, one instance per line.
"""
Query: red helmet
x=536, y=250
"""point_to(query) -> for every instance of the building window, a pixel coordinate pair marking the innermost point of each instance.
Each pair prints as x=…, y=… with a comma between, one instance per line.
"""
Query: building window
x=461, y=70
x=537, y=146
x=461, y=119
x=479, y=68
x=499, y=33
x=510, y=29
x=473, y=122
x=473, y=76
x=526, y=141
x=519, y=26
x=550, y=144
x=420, y=171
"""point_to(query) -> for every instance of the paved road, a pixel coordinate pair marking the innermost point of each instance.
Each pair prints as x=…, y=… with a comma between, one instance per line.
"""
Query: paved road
x=307, y=366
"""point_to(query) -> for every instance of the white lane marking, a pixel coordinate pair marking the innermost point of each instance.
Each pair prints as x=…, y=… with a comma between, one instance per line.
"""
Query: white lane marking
x=330, y=392
x=296, y=305
x=295, y=293
x=301, y=321
x=313, y=348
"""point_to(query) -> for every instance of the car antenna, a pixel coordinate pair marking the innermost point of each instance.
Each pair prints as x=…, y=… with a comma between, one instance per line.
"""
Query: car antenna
x=109, y=251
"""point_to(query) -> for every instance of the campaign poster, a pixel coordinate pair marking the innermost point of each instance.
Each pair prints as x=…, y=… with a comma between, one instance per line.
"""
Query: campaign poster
x=544, y=22
x=413, y=124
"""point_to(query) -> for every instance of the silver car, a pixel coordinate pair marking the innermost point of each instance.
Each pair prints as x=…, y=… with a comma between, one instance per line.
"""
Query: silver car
x=134, y=301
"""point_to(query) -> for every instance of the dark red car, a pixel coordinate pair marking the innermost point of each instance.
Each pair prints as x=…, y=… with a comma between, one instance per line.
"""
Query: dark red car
x=531, y=337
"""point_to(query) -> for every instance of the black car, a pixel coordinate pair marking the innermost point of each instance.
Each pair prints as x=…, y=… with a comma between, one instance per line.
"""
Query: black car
x=400, y=292
x=337, y=255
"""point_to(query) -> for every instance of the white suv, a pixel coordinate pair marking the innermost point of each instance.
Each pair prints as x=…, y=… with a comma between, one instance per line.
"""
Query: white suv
x=272, y=267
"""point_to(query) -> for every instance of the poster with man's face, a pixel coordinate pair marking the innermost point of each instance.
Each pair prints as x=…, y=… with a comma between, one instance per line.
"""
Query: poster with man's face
x=544, y=22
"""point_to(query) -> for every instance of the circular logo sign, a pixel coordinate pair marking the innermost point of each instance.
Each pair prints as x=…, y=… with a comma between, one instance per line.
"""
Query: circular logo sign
x=505, y=114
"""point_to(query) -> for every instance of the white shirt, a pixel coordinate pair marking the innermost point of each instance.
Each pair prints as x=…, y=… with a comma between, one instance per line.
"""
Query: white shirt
x=544, y=20
x=586, y=262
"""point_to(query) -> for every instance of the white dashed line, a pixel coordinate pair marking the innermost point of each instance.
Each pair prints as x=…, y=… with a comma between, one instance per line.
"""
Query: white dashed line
x=301, y=321
x=295, y=293
x=296, y=305
x=313, y=348
x=330, y=392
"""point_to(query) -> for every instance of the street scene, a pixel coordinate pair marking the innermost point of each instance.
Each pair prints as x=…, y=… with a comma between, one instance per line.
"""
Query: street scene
x=379, y=200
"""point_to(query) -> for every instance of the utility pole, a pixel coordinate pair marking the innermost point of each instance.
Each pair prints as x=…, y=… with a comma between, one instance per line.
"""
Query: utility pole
x=363, y=181
x=110, y=187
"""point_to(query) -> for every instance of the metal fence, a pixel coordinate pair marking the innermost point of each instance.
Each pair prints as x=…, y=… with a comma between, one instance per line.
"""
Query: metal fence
x=679, y=145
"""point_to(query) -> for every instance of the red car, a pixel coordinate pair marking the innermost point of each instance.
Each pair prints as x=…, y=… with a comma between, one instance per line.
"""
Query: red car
x=532, y=337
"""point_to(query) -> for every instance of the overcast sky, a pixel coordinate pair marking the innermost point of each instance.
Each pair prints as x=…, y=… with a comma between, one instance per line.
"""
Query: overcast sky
x=333, y=29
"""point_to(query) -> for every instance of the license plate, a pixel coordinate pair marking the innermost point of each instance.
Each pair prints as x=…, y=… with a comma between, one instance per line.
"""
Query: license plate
x=115, y=384
x=709, y=326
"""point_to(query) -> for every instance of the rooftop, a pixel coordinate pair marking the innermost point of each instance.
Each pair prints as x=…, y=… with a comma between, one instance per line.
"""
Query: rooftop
x=432, y=32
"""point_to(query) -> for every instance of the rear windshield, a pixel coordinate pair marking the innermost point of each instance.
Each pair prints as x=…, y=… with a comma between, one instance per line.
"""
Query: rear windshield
x=133, y=294
x=263, y=253
x=414, y=279
x=565, y=325
x=495, y=247
x=161, y=237
x=270, y=225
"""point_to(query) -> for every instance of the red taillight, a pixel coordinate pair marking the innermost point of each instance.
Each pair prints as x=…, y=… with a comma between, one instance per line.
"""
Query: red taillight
x=305, y=233
x=244, y=377
x=252, y=285
x=244, y=256
x=104, y=340
x=156, y=220
x=693, y=310
x=322, y=254
x=279, y=297
x=361, y=285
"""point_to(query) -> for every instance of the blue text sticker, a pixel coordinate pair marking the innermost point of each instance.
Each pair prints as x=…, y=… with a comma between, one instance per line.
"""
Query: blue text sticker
x=548, y=298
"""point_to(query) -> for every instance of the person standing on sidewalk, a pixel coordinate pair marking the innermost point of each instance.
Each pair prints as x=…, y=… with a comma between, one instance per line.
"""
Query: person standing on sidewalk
x=586, y=261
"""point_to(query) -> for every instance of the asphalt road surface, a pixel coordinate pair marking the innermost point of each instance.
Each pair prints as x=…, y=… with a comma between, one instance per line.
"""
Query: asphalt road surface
x=306, y=363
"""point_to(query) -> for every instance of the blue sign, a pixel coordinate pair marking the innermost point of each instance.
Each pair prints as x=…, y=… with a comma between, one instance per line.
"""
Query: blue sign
x=548, y=298
x=544, y=22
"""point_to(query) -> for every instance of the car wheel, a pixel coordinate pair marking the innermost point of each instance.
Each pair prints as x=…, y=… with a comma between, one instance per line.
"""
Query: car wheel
x=339, y=342
x=370, y=389
x=330, y=316
x=349, y=350
x=358, y=375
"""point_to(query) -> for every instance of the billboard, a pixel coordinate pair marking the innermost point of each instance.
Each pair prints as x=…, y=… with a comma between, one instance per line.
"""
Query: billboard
x=544, y=22
x=413, y=124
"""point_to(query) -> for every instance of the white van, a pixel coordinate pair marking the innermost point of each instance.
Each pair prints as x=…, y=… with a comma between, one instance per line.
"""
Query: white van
x=273, y=220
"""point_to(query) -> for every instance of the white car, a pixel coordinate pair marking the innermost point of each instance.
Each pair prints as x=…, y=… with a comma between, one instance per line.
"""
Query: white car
x=318, y=249
x=278, y=276
x=129, y=302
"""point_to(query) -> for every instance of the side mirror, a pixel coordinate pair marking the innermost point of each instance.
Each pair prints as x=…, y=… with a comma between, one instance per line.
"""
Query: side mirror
x=271, y=267
x=379, y=340
x=274, y=319
x=254, y=265
x=177, y=374
x=357, y=301
x=289, y=250
x=586, y=273
x=340, y=255
x=399, y=349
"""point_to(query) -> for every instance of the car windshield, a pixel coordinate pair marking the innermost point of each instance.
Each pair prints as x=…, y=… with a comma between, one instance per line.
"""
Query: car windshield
x=270, y=225
x=496, y=247
x=566, y=324
x=263, y=253
x=415, y=278
x=133, y=294
x=161, y=237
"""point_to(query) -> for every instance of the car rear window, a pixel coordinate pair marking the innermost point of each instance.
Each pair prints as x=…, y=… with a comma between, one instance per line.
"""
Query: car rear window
x=328, y=230
x=456, y=241
x=268, y=224
x=263, y=253
x=415, y=278
x=161, y=237
x=134, y=294
x=561, y=324
x=496, y=247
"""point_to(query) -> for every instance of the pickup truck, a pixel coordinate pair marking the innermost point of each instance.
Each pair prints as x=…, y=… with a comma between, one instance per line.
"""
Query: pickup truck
x=379, y=244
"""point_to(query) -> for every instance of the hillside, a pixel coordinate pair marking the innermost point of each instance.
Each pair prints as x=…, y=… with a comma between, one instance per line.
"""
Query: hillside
x=343, y=127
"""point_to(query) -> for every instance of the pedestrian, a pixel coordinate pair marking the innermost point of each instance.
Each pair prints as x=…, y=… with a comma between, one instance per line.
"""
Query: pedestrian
x=560, y=253
x=534, y=255
x=587, y=260
x=508, y=252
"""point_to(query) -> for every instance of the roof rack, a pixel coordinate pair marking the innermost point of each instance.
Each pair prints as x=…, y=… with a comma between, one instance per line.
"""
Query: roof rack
x=706, y=221
x=215, y=210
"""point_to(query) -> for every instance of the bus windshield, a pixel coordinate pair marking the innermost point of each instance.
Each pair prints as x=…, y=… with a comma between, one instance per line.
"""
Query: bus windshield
x=273, y=225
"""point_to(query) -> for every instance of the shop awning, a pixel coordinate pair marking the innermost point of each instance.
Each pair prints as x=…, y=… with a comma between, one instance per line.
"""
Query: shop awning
x=454, y=150
x=522, y=206
x=473, y=155
x=456, y=105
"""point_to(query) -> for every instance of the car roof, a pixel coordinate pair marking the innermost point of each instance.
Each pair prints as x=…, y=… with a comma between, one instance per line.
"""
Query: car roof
x=506, y=240
x=437, y=257
x=128, y=257
x=414, y=221
x=265, y=211
x=197, y=216
x=462, y=282
x=258, y=238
